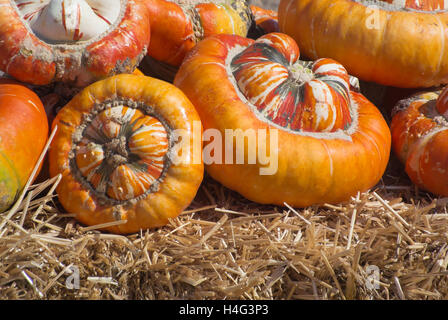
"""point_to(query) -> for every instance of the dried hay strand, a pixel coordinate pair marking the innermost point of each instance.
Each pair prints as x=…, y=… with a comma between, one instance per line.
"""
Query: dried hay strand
x=388, y=243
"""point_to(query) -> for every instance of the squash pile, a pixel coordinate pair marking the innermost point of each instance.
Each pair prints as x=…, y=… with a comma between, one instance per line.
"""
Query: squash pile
x=391, y=42
x=268, y=104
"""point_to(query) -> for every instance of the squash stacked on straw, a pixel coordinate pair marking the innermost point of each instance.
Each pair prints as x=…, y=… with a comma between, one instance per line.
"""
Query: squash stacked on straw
x=300, y=131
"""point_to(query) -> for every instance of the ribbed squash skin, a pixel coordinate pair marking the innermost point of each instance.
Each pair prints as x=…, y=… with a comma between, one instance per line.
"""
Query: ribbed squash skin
x=400, y=48
x=176, y=26
x=420, y=139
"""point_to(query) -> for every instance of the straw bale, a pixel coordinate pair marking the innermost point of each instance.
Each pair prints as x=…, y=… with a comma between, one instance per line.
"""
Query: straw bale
x=226, y=247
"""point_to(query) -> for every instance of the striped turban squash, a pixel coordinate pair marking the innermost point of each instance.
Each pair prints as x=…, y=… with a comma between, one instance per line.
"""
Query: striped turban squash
x=310, y=138
x=177, y=25
x=115, y=147
x=400, y=43
x=266, y=21
x=420, y=139
x=75, y=41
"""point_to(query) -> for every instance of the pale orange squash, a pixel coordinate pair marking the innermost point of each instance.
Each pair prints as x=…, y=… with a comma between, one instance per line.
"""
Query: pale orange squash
x=395, y=43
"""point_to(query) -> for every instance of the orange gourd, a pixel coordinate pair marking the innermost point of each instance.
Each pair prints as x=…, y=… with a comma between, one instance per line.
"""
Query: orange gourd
x=75, y=41
x=23, y=134
x=178, y=25
x=116, y=150
x=331, y=141
x=394, y=43
x=420, y=139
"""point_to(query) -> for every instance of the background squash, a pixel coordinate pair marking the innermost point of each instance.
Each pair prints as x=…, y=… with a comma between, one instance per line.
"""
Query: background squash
x=388, y=42
x=332, y=142
x=23, y=134
x=420, y=139
x=266, y=21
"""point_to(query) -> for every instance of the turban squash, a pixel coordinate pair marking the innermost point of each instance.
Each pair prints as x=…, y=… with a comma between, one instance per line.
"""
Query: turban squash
x=116, y=150
x=329, y=141
x=392, y=42
x=420, y=139
x=76, y=41
x=23, y=134
x=177, y=25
